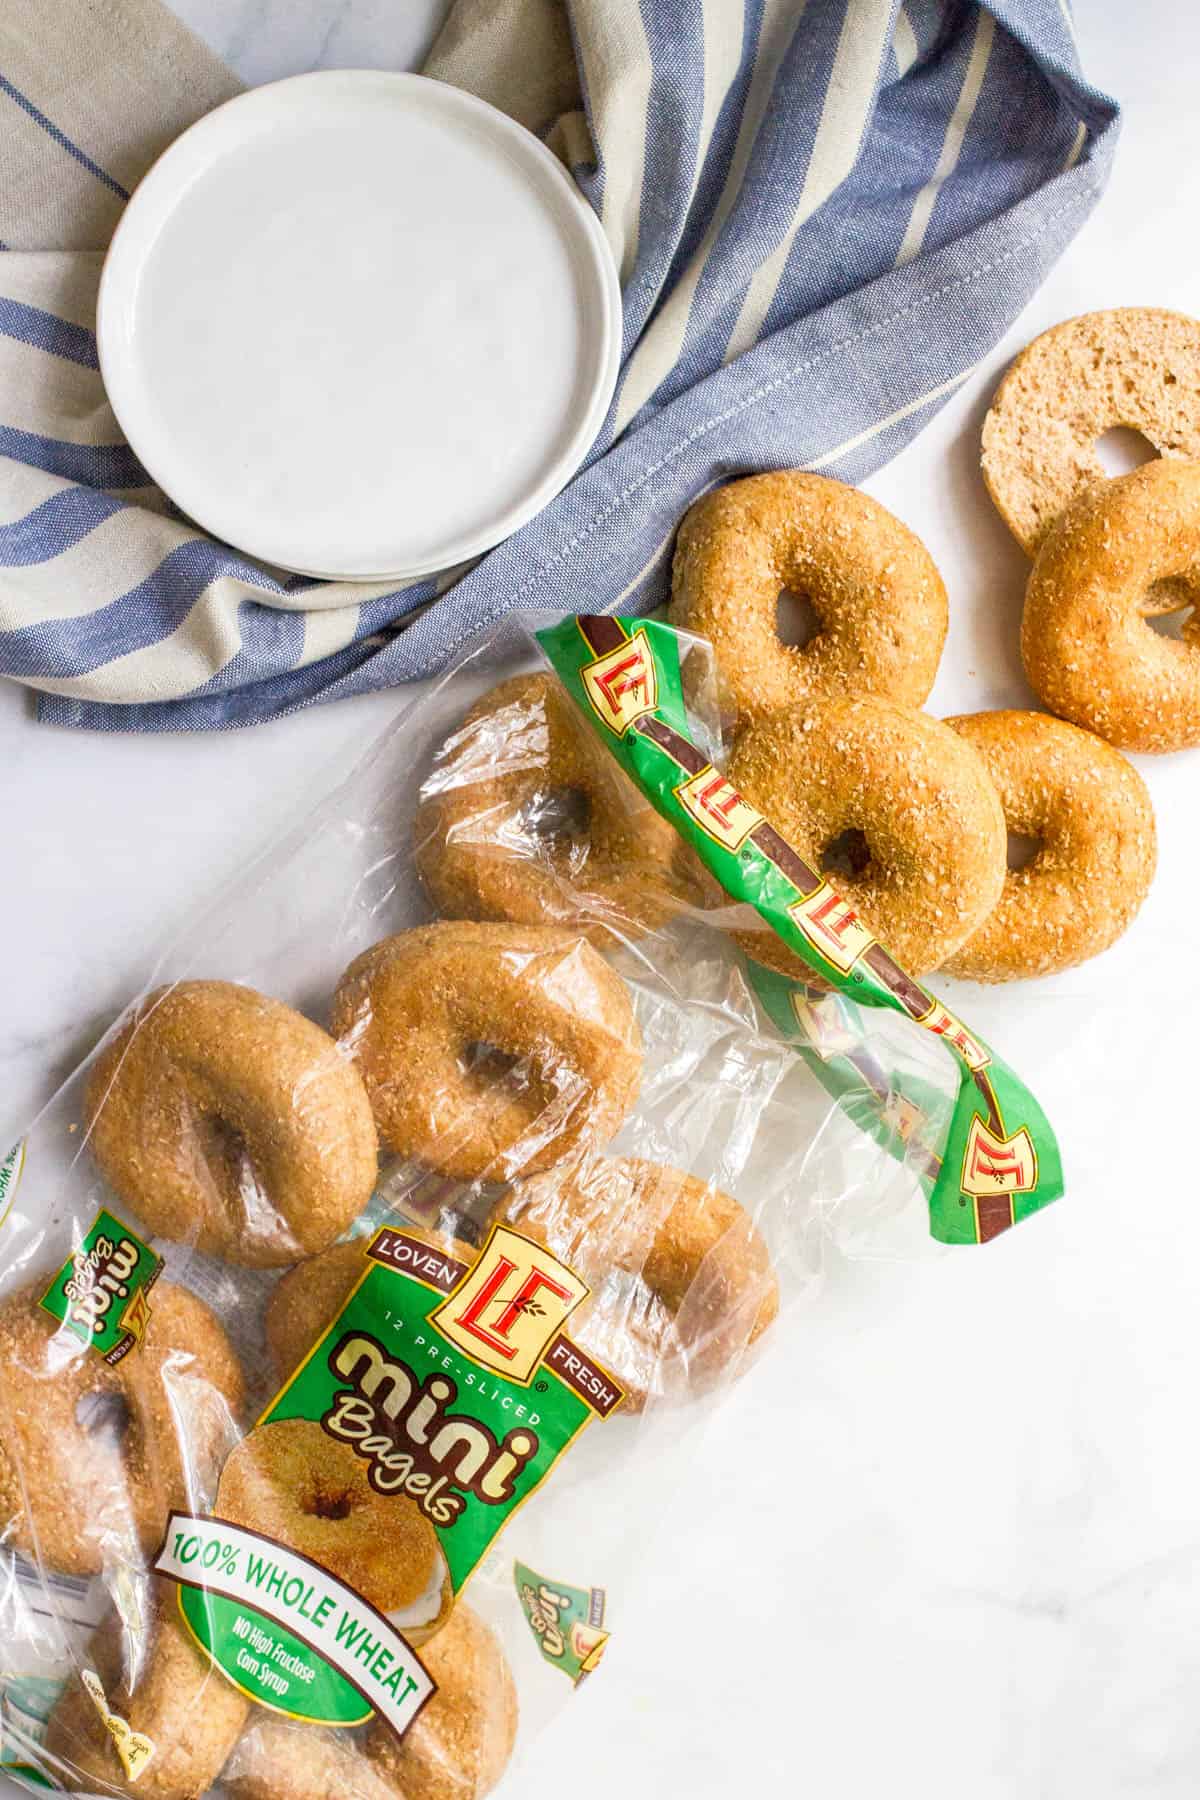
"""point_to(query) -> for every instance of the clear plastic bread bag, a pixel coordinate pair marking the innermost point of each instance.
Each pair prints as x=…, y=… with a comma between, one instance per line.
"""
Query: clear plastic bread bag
x=364, y=1289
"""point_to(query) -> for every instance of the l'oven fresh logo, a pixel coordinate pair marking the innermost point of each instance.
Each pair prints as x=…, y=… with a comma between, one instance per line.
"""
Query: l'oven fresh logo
x=512, y=1306
x=101, y=1293
x=622, y=685
x=832, y=926
x=995, y=1165
x=716, y=806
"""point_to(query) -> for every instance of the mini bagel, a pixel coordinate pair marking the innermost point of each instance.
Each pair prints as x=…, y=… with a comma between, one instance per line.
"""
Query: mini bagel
x=902, y=797
x=463, y=1739
x=458, y=1748
x=228, y=1121
x=682, y=1283
x=879, y=601
x=1088, y=650
x=293, y=1482
x=166, y=1690
x=1091, y=815
x=93, y=1456
x=273, y=1760
x=416, y=1010
x=526, y=817
x=1137, y=366
x=309, y=1297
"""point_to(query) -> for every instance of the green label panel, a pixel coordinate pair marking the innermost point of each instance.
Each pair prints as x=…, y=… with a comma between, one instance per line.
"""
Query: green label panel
x=463, y=1444
x=102, y=1293
x=382, y=1472
x=286, y=1632
x=273, y=1666
x=566, y=1621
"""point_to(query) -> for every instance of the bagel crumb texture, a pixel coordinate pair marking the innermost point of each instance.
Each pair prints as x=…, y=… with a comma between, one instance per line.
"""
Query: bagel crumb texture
x=1136, y=366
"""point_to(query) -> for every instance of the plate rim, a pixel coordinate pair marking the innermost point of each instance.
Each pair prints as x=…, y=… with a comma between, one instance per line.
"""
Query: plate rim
x=129, y=245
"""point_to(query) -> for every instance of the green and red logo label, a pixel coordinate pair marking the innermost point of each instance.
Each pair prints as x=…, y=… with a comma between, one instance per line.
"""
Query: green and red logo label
x=987, y=1157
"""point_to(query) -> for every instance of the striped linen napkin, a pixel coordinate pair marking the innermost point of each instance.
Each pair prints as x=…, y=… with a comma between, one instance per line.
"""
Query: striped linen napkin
x=825, y=214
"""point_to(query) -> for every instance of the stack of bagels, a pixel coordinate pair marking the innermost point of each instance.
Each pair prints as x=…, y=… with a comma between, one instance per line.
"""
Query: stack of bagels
x=995, y=845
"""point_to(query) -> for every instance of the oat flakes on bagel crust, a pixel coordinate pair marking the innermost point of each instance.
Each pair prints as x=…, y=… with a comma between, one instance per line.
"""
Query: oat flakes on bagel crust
x=1090, y=817
x=227, y=1120
x=895, y=807
x=1090, y=653
x=878, y=600
x=490, y=1049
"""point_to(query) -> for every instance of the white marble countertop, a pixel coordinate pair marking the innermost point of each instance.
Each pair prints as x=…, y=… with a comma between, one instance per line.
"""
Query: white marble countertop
x=967, y=1559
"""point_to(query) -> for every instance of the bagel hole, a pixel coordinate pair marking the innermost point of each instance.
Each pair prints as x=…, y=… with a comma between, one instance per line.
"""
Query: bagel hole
x=1169, y=624
x=796, y=620
x=1124, y=448
x=328, y=1503
x=237, y=1185
x=846, y=855
x=1022, y=849
x=103, y=1417
x=558, y=814
x=224, y=1149
x=487, y=1062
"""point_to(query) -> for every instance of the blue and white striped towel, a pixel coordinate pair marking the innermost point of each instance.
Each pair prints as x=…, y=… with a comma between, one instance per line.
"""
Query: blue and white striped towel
x=825, y=213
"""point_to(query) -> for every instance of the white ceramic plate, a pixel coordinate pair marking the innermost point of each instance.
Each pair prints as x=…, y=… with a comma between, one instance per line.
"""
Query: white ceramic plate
x=359, y=324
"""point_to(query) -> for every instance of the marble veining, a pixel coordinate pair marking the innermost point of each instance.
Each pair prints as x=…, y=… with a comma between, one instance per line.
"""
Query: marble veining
x=262, y=40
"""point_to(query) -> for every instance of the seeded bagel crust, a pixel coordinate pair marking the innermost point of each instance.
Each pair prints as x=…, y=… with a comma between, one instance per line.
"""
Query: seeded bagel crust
x=931, y=824
x=1088, y=650
x=166, y=1689
x=874, y=588
x=1091, y=815
x=415, y=1011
